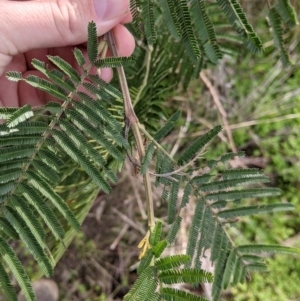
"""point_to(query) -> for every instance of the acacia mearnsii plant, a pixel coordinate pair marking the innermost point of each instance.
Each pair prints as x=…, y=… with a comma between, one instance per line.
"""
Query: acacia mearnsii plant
x=54, y=159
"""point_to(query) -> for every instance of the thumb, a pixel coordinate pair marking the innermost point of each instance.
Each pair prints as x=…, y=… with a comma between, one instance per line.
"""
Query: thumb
x=28, y=25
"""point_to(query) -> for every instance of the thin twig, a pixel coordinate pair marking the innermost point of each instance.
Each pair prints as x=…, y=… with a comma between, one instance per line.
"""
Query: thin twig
x=130, y=222
x=131, y=121
x=182, y=132
x=119, y=237
x=220, y=108
x=138, y=197
x=145, y=80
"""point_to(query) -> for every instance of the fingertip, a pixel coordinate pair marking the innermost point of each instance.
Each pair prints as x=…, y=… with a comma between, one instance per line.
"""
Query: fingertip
x=106, y=74
x=124, y=40
x=127, y=19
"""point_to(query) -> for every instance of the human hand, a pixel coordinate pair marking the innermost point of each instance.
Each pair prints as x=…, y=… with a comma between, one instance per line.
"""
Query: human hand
x=35, y=29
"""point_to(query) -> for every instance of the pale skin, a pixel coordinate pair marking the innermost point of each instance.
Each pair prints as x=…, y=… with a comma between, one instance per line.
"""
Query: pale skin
x=35, y=29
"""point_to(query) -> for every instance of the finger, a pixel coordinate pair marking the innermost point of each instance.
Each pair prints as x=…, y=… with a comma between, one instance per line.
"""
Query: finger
x=27, y=25
x=124, y=40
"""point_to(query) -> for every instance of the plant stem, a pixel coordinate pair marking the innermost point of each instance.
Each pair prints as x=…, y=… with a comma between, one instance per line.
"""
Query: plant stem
x=145, y=80
x=131, y=121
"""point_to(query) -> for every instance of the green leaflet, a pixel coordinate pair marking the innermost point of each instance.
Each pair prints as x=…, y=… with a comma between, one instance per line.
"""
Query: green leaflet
x=21, y=207
x=172, y=201
x=276, y=24
x=14, y=152
x=58, y=78
x=11, y=175
x=171, y=262
x=29, y=240
x=147, y=14
x=287, y=12
x=147, y=158
x=242, y=194
x=188, y=37
x=229, y=269
x=50, y=159
x=44, y=210
x=112, y=62
x=238, y=20
x=168, y=126
x=145, y=261
x=136, y=20
x=20, y=115
x=156, y=234
x=260, y=267
x=219, y=269
x=174, y=230
x=168, y=7
x=144, y=286
x=20, y=140
x=71, y=149
x=65, y=67
x=14, y=76
x=81, y=142
x=46, y=86
x=259, y=209
x=11, y=260
x=159, y=248
x=205, y=31
x=7, y=289
x=92, y=45
x=186, y=195
x=7, y=229
x=198, y=144
x=46, y=190
x=79, y=57
x=80, y=122
x=219, y=185
x=195, y=229
x=172, y=294
x=259, y=248
x=185, y=276
x=46, y=171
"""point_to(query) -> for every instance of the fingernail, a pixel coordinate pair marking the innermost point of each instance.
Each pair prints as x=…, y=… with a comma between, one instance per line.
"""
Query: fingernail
x=110, y=9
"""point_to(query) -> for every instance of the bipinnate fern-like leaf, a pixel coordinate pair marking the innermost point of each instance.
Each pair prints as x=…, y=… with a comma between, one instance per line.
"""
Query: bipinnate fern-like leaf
x=32, y=152
x=219, y=200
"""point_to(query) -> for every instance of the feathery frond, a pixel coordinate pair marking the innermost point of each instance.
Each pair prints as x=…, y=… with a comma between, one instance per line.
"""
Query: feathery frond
x=238, y=20
x=276, y=25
